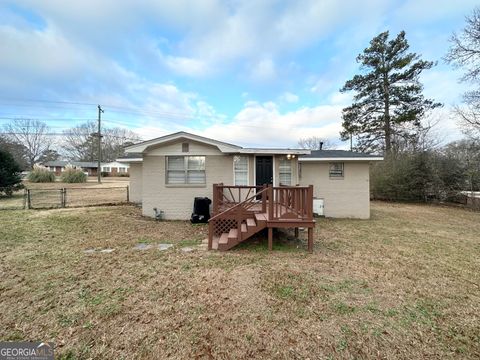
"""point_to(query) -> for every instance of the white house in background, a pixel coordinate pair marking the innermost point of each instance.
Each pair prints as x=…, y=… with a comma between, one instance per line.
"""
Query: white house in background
x=168, y=172
x=115, y=168
x=112, y=168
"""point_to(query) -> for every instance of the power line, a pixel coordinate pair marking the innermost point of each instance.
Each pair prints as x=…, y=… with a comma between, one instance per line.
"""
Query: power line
x=69, y=134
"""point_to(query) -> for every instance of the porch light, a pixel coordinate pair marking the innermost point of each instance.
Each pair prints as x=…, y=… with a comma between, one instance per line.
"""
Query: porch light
x=290, y=156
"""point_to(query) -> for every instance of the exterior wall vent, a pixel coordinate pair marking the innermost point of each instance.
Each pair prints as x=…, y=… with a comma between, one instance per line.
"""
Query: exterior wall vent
x=185, y=147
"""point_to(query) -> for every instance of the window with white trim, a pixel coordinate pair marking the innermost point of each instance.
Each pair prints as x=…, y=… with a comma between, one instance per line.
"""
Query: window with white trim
x=336, y=170
x=285, y=172
x=240, y=170
x=106, y=169
x=185, y=170
x=122, y=169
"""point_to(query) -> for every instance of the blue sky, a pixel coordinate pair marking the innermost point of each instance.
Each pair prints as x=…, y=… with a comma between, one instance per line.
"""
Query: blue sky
x=255, y=73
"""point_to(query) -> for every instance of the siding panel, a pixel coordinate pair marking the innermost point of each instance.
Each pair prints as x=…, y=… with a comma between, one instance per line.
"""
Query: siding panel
x=343, y=198
x=177, y=202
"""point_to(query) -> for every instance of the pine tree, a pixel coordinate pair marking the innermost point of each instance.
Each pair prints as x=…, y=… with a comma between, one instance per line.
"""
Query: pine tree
x=10, y=180
x=388, y=100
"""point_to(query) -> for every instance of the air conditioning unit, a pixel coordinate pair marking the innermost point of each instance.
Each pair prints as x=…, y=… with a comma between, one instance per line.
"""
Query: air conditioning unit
x=318, y=207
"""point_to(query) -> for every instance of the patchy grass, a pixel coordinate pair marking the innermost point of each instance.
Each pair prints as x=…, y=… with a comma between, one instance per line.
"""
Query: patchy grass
x=404, y=284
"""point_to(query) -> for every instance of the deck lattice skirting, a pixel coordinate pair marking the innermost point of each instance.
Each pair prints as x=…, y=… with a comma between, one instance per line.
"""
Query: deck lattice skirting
x=239, y=212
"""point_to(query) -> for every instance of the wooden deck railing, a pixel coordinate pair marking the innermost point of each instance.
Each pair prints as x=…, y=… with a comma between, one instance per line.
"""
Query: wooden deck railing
x=282, y=206
x=297, y=200
x=226, y=196
x=234, y=216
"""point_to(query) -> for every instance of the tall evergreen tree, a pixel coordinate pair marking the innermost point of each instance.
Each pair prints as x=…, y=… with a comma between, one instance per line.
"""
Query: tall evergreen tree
x=388, y=100
x=10, y=180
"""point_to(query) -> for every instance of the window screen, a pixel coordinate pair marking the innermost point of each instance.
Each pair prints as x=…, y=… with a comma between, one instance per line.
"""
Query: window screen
x=240, y=164
x=336, y=170
x=186, y=170
x=285, y=172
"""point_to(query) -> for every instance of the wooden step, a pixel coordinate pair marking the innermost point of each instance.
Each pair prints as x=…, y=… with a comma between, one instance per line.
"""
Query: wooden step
x=223, y=239
x=232, y=234
x=244, y=228
x=215, y=242
x=251, y=223
x=261, y=217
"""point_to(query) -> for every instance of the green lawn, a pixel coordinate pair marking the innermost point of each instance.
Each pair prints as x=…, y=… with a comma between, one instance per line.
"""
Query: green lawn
x=404, y=284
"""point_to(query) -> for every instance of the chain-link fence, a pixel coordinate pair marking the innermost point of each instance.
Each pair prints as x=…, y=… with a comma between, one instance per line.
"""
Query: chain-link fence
x=15, y=202
x=65, y=197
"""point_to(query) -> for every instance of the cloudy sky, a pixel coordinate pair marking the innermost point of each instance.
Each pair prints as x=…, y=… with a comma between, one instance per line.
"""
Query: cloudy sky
x=256, y=73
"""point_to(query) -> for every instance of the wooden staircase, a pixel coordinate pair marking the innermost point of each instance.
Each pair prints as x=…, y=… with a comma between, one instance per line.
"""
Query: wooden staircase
x=249, y=227
x=239, y=212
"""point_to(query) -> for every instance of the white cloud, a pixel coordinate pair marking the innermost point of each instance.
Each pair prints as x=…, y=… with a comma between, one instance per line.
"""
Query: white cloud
x=264, y=125
x=263, y=70
x=289, y=97
x=186, y=66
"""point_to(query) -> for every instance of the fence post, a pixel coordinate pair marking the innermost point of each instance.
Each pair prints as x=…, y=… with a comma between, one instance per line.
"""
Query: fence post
x=25, y=199
x=128, y=193
x=64, y=197
x=29, y=203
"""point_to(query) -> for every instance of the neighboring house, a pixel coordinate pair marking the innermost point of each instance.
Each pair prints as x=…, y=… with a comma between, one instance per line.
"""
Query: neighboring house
x=58, y=166
x=90, y=167
x=114, y=168
x=168, y=172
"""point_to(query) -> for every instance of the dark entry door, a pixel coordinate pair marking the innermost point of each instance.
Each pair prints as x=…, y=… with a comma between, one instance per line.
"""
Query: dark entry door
x=263, y=170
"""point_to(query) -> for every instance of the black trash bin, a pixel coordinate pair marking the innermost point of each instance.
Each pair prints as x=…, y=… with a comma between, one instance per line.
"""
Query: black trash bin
x=201, y=210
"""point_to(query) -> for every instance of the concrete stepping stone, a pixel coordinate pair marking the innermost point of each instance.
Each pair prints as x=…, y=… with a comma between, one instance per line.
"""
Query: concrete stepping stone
x=187, y=249
x=163, y=247
x=143, y=246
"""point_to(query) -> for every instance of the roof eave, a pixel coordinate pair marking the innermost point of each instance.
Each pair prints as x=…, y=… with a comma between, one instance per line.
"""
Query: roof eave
x=342, y=159
x=272, y=151
x=131, y=160
x=143, y=146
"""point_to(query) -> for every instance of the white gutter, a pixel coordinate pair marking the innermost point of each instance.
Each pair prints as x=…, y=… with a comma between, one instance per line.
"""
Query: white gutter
x=272, y=151
x=133, y=160
x=342, y=159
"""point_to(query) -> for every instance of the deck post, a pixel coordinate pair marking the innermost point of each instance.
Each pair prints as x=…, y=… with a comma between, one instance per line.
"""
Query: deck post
x=296, y=232
x=270, y=239
x=310, y=240
x=264, y=200
x=270, y=202
x=210, y=235
x=215, y=199
x=310, y=202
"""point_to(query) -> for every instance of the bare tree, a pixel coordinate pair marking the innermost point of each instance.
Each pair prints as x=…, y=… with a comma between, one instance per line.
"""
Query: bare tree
x=33, y=135
x=464, y=53
x=80, y=142
x=315, y=143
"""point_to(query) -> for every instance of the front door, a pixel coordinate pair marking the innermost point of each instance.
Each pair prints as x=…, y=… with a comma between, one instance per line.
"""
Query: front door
x=263, y=170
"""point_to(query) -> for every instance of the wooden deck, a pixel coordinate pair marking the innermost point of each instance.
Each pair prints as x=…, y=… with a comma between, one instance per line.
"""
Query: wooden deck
x=241, y=211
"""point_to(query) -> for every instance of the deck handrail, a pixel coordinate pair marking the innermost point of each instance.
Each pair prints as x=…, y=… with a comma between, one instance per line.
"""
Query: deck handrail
x=240, y=203
x=238, y=216
x=220, y=194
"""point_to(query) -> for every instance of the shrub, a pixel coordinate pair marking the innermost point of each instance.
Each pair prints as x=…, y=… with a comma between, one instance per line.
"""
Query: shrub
x=40, y=174
x=123, y=175
x=10, y=179
x=105, y=174
x=73, y=175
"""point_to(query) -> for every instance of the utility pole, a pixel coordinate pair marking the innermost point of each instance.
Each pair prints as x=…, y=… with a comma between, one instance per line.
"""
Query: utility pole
x=351, y=141
x=99, y=135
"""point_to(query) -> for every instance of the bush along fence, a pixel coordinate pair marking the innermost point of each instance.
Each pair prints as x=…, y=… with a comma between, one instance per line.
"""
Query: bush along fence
x=73, y=197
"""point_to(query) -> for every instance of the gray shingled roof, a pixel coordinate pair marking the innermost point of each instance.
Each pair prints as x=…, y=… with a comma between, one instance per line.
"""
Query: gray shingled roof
x=83, y=164
x=130, y=156
x=318, y=154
